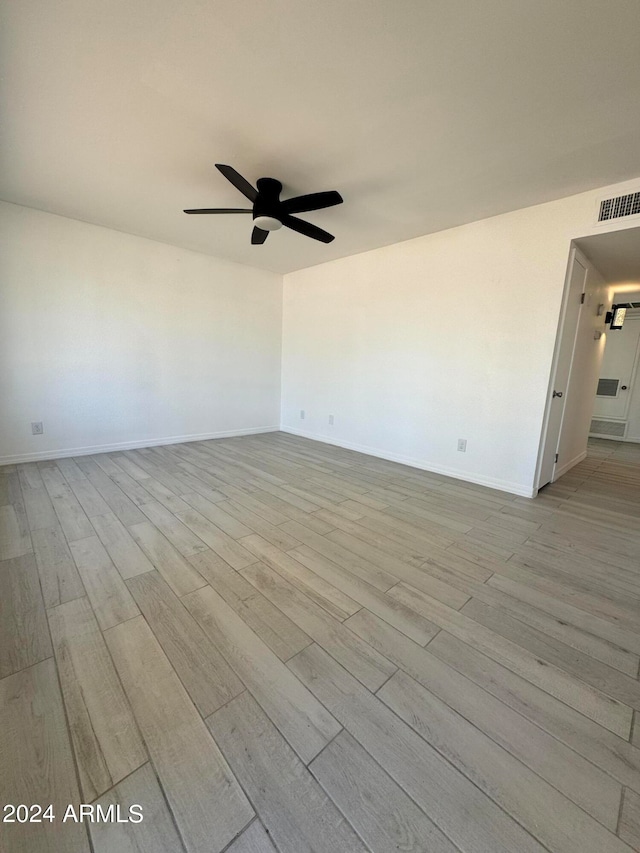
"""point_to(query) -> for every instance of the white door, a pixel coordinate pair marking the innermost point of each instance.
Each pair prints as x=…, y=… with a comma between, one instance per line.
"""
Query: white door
x=616, y=374
x=564, y=357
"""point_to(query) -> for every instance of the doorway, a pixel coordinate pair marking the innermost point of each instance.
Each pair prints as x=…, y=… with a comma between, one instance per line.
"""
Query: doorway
x=616, y=413
x=601, y=269
x=577, y=360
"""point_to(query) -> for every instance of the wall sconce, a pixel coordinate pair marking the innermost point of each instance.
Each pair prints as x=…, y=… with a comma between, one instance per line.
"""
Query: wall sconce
x=616, y=316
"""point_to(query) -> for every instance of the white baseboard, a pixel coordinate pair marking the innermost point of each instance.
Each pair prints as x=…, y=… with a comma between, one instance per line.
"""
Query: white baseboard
x=490, y=482
x=619, y=438
x=568, y=465
x=63, y=453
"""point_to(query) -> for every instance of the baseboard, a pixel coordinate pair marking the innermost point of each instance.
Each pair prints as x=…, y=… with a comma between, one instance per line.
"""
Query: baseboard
x=490, y=482
x=568, y=465
x=617, y=438
x=129, y=445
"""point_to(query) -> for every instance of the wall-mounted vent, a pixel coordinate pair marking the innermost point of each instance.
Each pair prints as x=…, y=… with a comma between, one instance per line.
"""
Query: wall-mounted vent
x=613, y=428
x=621, y=205
x=607, y=387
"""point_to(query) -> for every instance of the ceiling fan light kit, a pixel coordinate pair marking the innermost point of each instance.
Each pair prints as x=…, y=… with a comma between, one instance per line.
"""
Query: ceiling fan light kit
x=267, y=223
x=269, y=212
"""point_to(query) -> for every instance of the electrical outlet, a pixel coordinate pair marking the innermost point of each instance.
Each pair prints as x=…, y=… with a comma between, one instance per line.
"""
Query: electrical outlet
x=330, y=420
x=301, y=414
x=462, y=445
x=37, y=428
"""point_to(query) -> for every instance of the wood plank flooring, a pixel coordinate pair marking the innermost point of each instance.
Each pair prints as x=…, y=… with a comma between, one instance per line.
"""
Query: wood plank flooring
x=277, y=646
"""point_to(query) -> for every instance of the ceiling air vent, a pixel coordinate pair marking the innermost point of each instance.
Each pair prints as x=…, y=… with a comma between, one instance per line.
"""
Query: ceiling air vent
x=621, y=205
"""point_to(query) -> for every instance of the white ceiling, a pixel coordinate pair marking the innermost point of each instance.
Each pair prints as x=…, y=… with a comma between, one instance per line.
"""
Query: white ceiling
x=424, y=114
x=616, y=254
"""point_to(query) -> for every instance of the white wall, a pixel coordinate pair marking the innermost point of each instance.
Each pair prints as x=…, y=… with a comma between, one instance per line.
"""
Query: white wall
x=112, y=339
x=448, y=336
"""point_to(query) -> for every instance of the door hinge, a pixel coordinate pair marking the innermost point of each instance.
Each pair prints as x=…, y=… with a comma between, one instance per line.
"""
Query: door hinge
x=556, y=457
x=582, y=299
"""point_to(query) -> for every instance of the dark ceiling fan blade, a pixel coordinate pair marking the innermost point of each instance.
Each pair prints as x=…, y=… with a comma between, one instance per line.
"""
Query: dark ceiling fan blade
x=238, y=181
x=258, y=236
x=220, y=210
x=307, y=229
x=312, y=201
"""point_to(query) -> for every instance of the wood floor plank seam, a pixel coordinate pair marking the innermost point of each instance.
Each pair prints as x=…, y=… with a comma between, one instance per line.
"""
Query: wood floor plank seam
x=147, y=836
x=273, y=626
x=115, y=784
x=613, y=824
x=622, y=793
x=207, y=776
x=76, y=840
x=595, y=791
x=151, y=762
x=74, y=758
x=291, y=815
x=629, y=829
x=613, y=755
x=608, y=712
x=253, y=839
x=445, y=769
x=304, y=721
x=202, y=670
x=397, y=833
x=557, y=835
x=60, y=687
x=357, y=656
x=24, y=632
x=106, y=740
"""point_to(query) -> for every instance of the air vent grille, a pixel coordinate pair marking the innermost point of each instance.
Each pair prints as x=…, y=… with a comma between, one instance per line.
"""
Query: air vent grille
x=607, y=428
x=607, y=387
x=622, y=205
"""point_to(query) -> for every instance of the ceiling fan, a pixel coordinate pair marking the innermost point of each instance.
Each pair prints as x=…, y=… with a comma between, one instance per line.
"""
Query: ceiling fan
x=270, y=212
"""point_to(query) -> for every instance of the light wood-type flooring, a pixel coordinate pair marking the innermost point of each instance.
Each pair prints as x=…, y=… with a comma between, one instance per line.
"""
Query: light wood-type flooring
x=272, y=644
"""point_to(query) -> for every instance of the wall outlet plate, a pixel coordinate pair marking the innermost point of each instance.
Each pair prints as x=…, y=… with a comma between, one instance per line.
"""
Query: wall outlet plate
x=330, y=420
x=462, y=445
x=301, y=414
x=37, y=428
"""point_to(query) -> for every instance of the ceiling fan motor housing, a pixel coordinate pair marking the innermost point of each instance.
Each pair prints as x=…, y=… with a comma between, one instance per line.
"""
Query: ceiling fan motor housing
x=266, y=207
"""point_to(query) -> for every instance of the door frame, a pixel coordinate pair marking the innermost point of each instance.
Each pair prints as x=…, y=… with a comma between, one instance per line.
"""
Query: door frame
x=632, y=380
x=574, y=252
x=634, y=385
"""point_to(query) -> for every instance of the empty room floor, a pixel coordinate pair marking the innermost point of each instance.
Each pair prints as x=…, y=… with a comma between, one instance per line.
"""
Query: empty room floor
x=271, y=644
